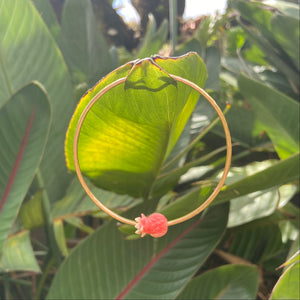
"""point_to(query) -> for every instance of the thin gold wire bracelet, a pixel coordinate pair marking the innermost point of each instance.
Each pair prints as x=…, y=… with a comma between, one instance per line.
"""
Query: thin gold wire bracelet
x=137, y=220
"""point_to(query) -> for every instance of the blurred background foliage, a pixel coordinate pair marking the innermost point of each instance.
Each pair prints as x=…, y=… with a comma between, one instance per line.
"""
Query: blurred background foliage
x=56, y=244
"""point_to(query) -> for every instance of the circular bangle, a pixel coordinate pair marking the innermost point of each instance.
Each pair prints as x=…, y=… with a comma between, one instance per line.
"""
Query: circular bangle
x=156, y=220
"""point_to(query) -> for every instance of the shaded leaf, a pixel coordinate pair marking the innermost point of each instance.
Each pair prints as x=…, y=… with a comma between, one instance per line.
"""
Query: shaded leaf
x=47, y=13
x=286, y=7
x=287, y=286
x=130, y=132
x=119, y=268
x=18, y=254
x=83, y=45
x=276, y=113
x=225, y=282
x=260, y=28
x=24, y=127
x=280, y=173
x=153, y=39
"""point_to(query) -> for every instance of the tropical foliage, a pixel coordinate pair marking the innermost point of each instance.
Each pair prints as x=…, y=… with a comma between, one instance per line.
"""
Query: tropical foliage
x=151, y=145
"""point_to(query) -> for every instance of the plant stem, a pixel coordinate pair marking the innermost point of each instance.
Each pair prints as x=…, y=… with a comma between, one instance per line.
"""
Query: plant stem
x=53, y=248
x=173, y=24
x=43, y=279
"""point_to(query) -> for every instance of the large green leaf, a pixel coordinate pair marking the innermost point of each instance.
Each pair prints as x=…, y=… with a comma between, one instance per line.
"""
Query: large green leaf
x=225, y=282
x=105, y=266
x=153, y=40
x=18, y=254
x=28, y=52
x=287, y=287
x=83, y=46
x=24, y=127
x=276, y=113
x=131, y=130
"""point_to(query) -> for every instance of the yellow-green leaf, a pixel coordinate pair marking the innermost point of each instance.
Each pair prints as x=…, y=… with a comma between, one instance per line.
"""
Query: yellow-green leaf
x=130, y=131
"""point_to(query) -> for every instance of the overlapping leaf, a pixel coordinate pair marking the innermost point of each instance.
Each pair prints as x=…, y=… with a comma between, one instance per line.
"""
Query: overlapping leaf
x=18, y=254
x=225, y=282
x=28, y=52
x=276, y=113
x=24, y=126
x=83, y=46
x=105, y=266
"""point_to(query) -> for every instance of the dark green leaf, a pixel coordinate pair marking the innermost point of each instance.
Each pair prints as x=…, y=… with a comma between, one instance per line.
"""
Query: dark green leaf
x=225, y=282
x=287, y=287
x=83, y=45
x=28, y=52
x=24, y=127
x=276, y=113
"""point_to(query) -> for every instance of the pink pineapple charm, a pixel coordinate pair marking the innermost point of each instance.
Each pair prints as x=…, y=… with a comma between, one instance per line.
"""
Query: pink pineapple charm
x=156, y=225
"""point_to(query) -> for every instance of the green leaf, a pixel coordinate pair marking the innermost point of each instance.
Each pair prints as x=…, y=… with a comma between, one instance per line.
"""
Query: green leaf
x=258, y=241
x=47, y=13
x=292, y=260
x=243, y=127
x=294, y=253
x=144, y=269
x=83, y=45
x=76, y=202
x=269, y=38
x=60, y=237
x=18, y=254
x=24, y=127
x=258, y=204
x=28, y=52
x=276, y=113
x=153, y=40
x=286, y=7
x=132, y=129
x=225, y=282
x=287, y=286
x=286, y=32
x=213, y=65
x=280, y=173
x=31, y=212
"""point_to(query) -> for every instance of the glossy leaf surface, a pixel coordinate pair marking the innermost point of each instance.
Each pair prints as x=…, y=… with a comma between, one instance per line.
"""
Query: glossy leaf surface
x=24, y=127
x=131, y=130
x=142, y=269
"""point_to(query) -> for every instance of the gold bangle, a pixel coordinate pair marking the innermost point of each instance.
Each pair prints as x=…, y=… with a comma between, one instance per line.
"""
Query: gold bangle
x=192, y=213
